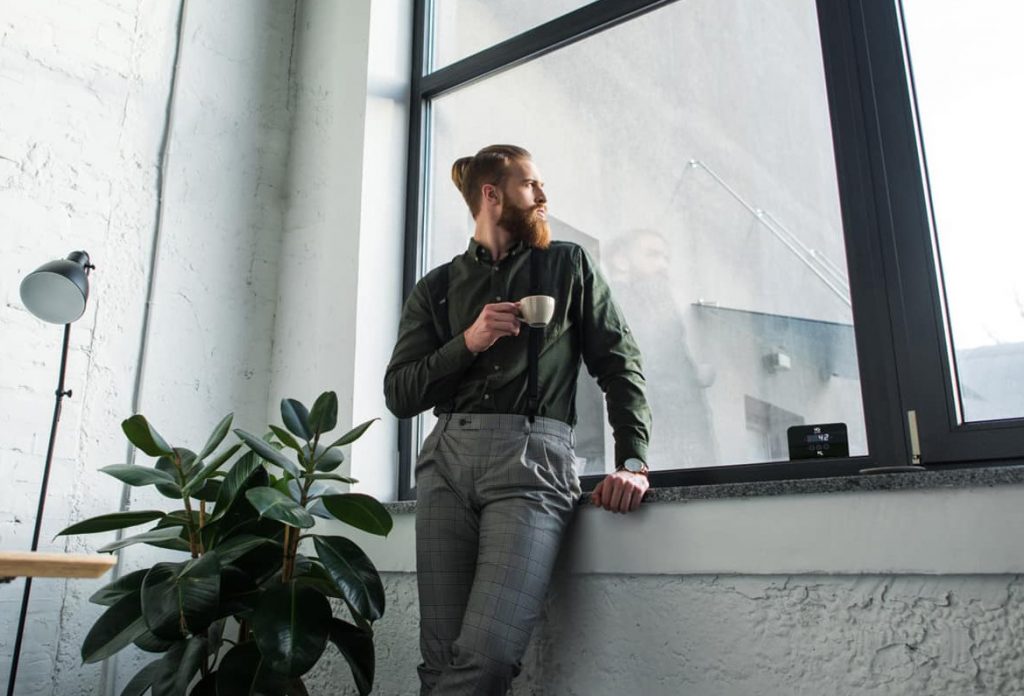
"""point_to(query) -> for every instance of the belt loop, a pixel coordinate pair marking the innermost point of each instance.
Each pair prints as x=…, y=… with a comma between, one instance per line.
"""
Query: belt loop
x=572, y=438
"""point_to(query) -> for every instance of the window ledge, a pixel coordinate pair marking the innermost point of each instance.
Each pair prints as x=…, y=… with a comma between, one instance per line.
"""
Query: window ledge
x=958, y=522
x=976, y=477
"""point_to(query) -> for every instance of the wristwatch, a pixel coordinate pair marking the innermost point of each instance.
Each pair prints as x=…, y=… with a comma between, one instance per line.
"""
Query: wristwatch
x=634, y=466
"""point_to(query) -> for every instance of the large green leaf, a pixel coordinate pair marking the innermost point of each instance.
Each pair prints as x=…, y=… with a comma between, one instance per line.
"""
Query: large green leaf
x=286, y=438
x=207, y=686
x=124, y=585
x=237, y=546
x=323, y=418
x=200, y=475
x=353, y=573
x=296, y=419
x=361, y=511
x=140, y=683
x=151, y=643
x=135, y=475
x=318, y=476
x=180, y=597
x=244, y=672
x=276, y=505
x=329, y=459
x=291, y=626
x=117, y=627
x=179, y=666
x=215, y=633
x=141, y=434
x=180, y=466
x=153, y=537
x=166, y=465
x=216, y=437
x=208, y=492
x=239, y=592
x=241, y=476
x=268, y=452
x=114, y=520
x=317, y=577
x=353, y=434
x=356, y=646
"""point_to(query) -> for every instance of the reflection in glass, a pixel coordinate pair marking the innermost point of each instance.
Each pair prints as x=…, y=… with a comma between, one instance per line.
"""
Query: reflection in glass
x=970, y=109
x=690, y=152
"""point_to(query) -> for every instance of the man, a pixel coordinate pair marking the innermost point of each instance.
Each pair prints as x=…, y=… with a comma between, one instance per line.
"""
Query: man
x=495, y=481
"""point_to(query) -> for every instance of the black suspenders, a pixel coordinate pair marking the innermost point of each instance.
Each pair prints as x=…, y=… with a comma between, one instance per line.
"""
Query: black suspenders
x=536, y=340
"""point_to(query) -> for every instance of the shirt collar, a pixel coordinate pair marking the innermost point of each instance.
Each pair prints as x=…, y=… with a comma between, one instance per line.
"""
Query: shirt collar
x=478, y=252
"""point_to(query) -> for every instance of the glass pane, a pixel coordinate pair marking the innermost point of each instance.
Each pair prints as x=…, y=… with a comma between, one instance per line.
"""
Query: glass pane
x=690, y=152
x=464, y=27
x=968, y=62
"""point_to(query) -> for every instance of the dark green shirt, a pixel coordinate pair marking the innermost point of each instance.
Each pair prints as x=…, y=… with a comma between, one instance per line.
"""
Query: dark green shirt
x=428, y=372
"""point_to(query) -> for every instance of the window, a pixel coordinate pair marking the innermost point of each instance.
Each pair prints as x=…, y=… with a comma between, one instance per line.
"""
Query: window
x=715, y=158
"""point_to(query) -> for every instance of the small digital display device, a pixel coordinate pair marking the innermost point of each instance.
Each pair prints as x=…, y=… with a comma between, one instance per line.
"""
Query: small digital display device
x=818, y=441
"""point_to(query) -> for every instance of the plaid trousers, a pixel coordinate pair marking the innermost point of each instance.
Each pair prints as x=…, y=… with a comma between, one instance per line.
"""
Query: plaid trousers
x=495, y=494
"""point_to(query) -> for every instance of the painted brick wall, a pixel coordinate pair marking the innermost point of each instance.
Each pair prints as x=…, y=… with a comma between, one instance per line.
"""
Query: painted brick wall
x=84, y=89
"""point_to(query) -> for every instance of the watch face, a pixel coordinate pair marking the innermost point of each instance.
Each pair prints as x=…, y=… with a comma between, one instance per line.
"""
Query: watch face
x=634, y=466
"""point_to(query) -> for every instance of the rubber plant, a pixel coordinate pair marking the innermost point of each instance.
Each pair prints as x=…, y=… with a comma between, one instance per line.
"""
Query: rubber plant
x=248, y=608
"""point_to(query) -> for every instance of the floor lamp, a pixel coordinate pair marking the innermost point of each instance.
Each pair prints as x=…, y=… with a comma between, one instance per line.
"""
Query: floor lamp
x=56, y=292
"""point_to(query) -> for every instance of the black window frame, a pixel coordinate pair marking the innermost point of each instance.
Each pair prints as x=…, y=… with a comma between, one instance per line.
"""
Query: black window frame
x=897, y=312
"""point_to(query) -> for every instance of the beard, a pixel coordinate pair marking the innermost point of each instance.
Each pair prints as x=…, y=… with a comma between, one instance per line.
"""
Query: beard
x=525, y=225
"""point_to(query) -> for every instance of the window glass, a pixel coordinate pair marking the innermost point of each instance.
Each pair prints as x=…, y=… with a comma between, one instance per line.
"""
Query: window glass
x=464, y=27
x=967, y=61
x=690, y=152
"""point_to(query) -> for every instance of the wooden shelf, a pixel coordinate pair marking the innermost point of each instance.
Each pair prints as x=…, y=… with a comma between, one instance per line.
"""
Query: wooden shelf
x=54, y=565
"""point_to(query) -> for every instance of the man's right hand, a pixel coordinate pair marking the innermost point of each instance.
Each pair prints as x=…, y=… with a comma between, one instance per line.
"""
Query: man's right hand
x=496, y=320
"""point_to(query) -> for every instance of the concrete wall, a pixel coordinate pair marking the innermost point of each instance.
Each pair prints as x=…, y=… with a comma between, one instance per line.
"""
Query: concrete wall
x=277, y=273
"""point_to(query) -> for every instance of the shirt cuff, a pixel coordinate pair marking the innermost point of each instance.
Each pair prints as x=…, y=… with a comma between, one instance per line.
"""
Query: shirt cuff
x=454, y=356
x=630, y=447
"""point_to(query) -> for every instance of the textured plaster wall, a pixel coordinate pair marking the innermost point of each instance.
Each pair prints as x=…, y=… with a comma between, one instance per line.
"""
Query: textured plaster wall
x=84, y=90
x=705, y=635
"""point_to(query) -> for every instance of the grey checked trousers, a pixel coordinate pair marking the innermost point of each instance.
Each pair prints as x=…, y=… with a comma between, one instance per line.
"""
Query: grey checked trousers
x=495, y=494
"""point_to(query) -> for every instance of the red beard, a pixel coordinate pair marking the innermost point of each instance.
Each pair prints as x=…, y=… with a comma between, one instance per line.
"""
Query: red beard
x=525, y=225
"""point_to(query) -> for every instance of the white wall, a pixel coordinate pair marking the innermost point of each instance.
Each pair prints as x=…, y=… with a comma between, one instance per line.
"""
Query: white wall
x=84, y=95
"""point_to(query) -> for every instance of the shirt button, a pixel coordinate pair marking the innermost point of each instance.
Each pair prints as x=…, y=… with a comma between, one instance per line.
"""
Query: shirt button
x=494, y=268
x=498, y=298
x=487, y=396
x=497, y=367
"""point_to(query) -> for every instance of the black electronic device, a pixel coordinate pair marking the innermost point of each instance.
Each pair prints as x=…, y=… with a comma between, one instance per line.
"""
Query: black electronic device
x=820, y=441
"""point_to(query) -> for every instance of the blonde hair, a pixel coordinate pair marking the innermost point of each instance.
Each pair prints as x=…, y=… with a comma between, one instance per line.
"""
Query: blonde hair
x=488, y=166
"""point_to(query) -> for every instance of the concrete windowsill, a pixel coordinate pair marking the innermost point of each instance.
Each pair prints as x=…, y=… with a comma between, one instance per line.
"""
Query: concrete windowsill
x=915, y=480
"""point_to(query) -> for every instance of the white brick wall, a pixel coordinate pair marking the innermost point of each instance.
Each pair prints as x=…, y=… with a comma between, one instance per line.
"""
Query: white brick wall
x=83, y=92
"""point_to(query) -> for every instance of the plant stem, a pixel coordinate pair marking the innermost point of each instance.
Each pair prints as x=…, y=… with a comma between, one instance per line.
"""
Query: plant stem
x=193, y=547
x=288, y=563
x=202, y=523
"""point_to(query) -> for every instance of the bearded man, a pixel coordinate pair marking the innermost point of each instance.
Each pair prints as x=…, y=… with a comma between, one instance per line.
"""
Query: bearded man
x=495, y=479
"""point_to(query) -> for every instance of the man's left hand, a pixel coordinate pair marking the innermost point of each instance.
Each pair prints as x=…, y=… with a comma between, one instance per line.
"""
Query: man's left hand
x=620, y=492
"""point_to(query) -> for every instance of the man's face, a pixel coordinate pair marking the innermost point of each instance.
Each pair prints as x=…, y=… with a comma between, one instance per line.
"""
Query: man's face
x=524, y=206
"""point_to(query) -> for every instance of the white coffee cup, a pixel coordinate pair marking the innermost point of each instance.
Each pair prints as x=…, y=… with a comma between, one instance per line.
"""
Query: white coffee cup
x=537, y=310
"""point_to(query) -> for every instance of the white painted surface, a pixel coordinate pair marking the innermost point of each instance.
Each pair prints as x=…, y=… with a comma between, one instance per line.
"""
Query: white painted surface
x=930, y=532
x=777, y=635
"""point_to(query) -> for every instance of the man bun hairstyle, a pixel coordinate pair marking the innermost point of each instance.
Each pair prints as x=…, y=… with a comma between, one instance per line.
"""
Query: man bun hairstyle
x=488, y=166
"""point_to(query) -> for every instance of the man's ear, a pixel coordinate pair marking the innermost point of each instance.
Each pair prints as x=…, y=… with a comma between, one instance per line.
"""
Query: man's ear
x=491, y=193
